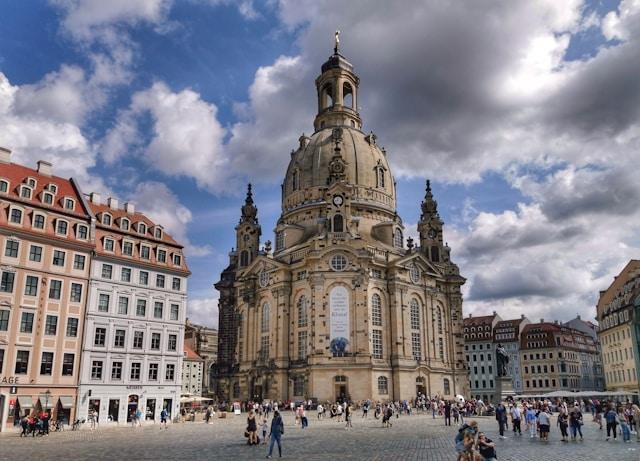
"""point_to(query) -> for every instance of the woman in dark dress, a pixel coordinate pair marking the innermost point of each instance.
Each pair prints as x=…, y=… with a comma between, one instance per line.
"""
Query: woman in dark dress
x=252, y=428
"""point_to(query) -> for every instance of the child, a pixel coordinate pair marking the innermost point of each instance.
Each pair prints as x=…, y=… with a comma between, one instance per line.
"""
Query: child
x=486, y=447
x=264, y=428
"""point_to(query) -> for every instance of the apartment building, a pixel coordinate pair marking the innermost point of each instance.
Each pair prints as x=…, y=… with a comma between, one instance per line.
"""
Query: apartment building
x=136, y=310
x=192, y=371
x=619, y=329
x=45, y=251
x=479, y=350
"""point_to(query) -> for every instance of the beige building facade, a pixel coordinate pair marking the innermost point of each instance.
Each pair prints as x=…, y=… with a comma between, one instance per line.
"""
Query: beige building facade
x=342, y=308
x=619, y=329
x=45, y=244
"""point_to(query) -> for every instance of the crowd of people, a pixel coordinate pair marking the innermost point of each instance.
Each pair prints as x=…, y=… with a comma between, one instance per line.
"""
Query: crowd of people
x=531, y=416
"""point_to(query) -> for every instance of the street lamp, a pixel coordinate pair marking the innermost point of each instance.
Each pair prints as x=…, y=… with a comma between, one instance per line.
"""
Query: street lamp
x=47, y=395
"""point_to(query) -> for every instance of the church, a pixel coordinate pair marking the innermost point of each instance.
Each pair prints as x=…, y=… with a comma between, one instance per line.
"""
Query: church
x=341, y=307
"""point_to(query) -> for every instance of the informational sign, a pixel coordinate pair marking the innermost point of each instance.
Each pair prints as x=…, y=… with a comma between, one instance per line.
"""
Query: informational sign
x=236, y=408
x=339, y=324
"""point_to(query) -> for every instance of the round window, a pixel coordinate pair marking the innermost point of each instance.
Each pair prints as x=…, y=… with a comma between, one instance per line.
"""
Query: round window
x=414, y=273
x=264, y=279
x=338, y=262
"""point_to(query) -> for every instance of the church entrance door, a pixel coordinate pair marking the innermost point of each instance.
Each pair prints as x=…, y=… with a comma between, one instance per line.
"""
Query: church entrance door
x=341, y=392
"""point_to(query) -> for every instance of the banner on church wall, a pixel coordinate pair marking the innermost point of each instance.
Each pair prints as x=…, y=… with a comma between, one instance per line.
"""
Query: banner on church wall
x=339, y=324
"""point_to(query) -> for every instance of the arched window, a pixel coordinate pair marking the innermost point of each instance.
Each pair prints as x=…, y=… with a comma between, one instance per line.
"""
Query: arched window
x=383, y=385
x=347, y=95
x=376, y=310
x=265, y=318
x=295, y=180
x=380, y=178
x=447, y=388
x=439, y=320
x=338, y=223
x=244, y=258
x=302, y=311
x=435, y=254
x=397, y=239
x=415, y=314
x=340, y=379
x=327, y=96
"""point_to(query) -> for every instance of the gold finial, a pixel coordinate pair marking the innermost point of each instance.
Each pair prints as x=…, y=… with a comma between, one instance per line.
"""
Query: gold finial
x=337, y=42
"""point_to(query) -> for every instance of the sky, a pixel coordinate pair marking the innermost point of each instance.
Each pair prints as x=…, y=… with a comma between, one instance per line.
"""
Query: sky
x=525, y=115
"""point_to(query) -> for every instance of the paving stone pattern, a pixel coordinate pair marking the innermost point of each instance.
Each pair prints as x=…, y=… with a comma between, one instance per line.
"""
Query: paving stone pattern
x=416, y=437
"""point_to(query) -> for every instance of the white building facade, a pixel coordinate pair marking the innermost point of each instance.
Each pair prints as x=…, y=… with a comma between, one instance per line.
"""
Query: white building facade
x=136, y=310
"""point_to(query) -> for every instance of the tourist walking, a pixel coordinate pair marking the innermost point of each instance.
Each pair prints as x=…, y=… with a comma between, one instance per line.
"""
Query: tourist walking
x=531, y=420
x=611, y=418
x=264, y=426
x=636, y=420
x=501, y=417
x=252, y=428
x=447, y=413
x=163, y=418
x=515, y=419
x=348, y=410
x=563, y=424
x=544, y=420
x=575, y=422
x=624, y=425
x=320, y=411
x=277, y=429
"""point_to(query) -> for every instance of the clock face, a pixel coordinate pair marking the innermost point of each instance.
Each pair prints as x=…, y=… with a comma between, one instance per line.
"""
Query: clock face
x=338, y=200
x=432, y=233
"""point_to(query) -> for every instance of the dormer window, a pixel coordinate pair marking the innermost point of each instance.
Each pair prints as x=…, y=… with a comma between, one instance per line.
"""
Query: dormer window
x=158, y=233
x=177, y=260
x=108, y=244
x=127, y=248
x=162, y=256
x=31, y=182
x=61, y=227
x=15, y=216
x=47, y=198
x=124, y=224
x=69, y=204
x=142, y=228
x=4, y=186
x=106, y=219
x=52, y=188
x=25, y=192
x=144, y=252
x=38, y=221
x=82, y=232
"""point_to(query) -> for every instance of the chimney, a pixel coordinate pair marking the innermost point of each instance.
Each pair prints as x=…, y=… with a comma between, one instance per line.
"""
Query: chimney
x=129, y=208
x=578, y=317
x=522, y=316
x=94, y=198
x=5, y=155
x=113, y=203
x=541, y=320
x=44, y=168
x=495, y=313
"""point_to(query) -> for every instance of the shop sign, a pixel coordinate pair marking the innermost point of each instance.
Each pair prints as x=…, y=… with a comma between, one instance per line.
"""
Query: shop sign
x=10, y=380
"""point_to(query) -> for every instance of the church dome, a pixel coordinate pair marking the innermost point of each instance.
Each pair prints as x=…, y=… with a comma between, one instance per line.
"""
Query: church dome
x=366, y=168
x=338, y=142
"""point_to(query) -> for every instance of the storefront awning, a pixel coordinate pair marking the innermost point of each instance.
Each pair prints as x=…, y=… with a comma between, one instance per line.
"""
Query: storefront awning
x=25, y=402
x=66, y=401
x=46, y=402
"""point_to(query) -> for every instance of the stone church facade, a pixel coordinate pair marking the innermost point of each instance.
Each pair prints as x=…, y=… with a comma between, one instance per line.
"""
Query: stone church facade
x=342, y=307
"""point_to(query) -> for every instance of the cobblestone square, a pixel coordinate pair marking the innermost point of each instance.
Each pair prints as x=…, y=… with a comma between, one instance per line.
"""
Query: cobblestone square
x=416, y=437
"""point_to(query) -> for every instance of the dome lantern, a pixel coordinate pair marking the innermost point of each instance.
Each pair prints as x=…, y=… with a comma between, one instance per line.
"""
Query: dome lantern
x=337, y=88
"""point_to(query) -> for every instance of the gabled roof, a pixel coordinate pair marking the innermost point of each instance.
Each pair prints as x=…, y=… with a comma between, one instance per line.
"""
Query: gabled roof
x=17, y=175
x=189, y=354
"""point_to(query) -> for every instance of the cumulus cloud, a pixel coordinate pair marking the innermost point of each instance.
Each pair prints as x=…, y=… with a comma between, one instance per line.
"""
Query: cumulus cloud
x=203, y=311
x=35, y=129
x=158, y=202
x=186, y=135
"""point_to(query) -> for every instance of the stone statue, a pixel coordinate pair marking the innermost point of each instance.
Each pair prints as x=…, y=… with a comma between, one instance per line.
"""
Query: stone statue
x=337, y=42
x=503, y=359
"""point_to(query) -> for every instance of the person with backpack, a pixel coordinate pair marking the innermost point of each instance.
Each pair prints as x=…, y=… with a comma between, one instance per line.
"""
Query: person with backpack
x=624, y=425
x=163, y=418
x=563, y=424
x=515, y=419
x=277, y=429
x=465, y=440
x=611, y=418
